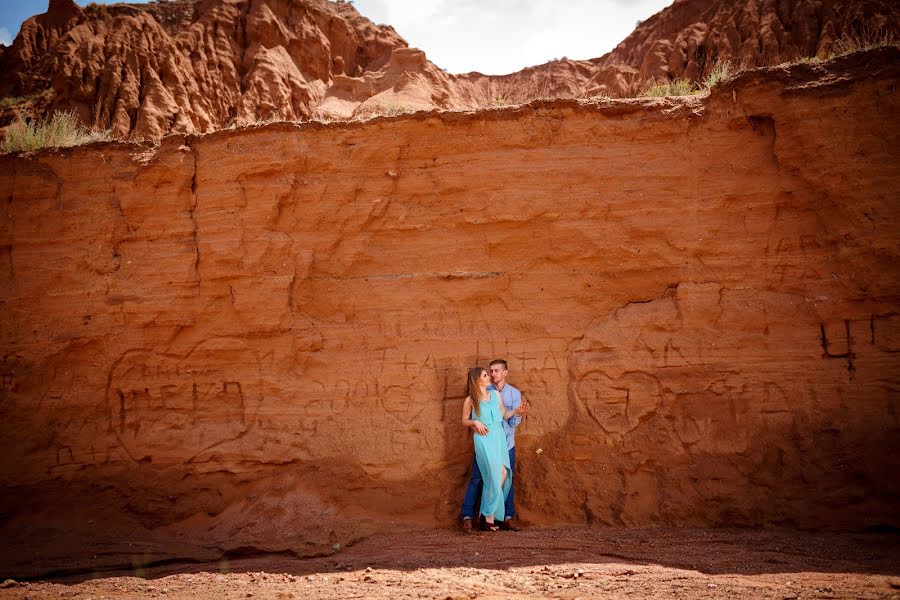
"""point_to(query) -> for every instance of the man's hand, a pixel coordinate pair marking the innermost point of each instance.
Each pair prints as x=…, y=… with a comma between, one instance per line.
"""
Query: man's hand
x=480, y=429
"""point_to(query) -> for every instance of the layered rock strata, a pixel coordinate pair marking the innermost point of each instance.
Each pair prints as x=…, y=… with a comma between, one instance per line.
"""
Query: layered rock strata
x=256, y=340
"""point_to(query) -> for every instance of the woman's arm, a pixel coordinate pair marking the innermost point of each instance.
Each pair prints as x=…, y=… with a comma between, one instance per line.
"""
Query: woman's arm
x=480, y=429
x=511, y=412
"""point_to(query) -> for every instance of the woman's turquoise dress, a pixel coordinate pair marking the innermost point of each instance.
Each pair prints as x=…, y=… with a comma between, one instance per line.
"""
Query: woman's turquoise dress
x=492, y=455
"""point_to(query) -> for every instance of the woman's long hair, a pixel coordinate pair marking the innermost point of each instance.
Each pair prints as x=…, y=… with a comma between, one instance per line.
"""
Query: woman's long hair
x=473, y=388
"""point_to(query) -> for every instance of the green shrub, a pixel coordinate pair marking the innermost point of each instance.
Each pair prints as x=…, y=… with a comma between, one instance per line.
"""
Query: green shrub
x=679, y=87
x=59, y=131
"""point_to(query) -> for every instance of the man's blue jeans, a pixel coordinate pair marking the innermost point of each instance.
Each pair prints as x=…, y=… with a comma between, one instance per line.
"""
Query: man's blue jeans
x=468, y=507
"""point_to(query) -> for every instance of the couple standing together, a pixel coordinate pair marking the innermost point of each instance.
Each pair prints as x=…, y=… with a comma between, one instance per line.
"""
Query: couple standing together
x=493, y=409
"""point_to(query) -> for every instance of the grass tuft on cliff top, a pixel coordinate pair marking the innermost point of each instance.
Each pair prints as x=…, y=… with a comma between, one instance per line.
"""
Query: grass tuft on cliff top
x=865, y=39
x=720, y=72
x=679, y=87
x=59, y=131
x=384, y=108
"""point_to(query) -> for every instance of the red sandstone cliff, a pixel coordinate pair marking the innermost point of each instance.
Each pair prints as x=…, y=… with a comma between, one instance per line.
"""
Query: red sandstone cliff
x=191, y=66
x=255, y=340
x=148, y=70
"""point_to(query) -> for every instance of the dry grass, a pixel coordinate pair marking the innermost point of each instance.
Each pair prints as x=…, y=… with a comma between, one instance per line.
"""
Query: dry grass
x=679, y=87
x=11, y=101
x=720, y=72
x=387, y=108
x=499, y=101
x=865, y=39
x=860, y=41
x=59, y=131
x=97, y=10
x=318, y=116
x=275, y=116
x=491, y=96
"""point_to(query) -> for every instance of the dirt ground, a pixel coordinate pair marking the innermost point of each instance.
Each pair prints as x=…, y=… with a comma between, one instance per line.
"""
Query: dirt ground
x=539, y=563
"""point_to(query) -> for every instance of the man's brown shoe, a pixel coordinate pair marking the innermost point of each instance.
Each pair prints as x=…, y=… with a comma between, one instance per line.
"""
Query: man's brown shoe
x=511, y=524
x=467, y=526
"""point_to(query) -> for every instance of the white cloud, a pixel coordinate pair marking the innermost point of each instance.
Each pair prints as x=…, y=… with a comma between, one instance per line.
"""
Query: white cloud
x=5, y=37
x=502, y=36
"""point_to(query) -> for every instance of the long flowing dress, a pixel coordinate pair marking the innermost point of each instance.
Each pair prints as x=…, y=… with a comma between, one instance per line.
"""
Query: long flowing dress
x=492, y=455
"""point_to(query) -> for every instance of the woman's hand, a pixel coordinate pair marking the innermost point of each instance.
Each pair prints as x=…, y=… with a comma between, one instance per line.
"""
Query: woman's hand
x=517, y=411
x=480, y=429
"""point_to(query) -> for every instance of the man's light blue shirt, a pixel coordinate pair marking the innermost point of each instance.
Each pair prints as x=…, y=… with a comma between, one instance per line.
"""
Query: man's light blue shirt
x=511, y=398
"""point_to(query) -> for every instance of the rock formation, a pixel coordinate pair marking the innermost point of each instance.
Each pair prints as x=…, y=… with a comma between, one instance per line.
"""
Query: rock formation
x=191, y=66
x=183, y=67
x=256, y=340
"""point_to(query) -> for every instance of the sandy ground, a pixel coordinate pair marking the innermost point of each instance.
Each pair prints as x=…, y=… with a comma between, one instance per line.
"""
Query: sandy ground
x=540, y=563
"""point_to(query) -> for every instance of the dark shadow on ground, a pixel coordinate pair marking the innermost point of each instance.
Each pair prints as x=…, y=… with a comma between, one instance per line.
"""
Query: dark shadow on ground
x=709, y=551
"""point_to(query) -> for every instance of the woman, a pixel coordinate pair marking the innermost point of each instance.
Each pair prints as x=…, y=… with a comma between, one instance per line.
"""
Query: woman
x=484, y=411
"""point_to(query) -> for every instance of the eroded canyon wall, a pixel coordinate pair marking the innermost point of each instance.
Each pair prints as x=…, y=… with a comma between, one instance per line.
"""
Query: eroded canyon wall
x=257, y=339
x=196, y=66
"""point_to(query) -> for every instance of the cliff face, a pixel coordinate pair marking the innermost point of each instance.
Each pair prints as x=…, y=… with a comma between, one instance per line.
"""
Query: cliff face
x=689, y=37
x=186, y=66
x=183, y=67
x=258, y=338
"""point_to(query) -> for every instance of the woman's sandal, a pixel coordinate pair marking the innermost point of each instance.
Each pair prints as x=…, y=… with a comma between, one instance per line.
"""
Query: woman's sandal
x=491, y=526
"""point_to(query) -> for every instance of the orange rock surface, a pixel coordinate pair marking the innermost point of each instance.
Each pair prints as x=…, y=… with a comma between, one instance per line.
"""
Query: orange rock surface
x=257, y=339
x=181, y=66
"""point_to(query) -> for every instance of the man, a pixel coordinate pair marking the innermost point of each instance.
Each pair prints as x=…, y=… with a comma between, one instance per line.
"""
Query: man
x=511, y=398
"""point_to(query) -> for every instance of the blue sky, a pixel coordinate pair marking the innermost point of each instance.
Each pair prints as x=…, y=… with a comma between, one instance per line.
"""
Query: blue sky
x=493, y=37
